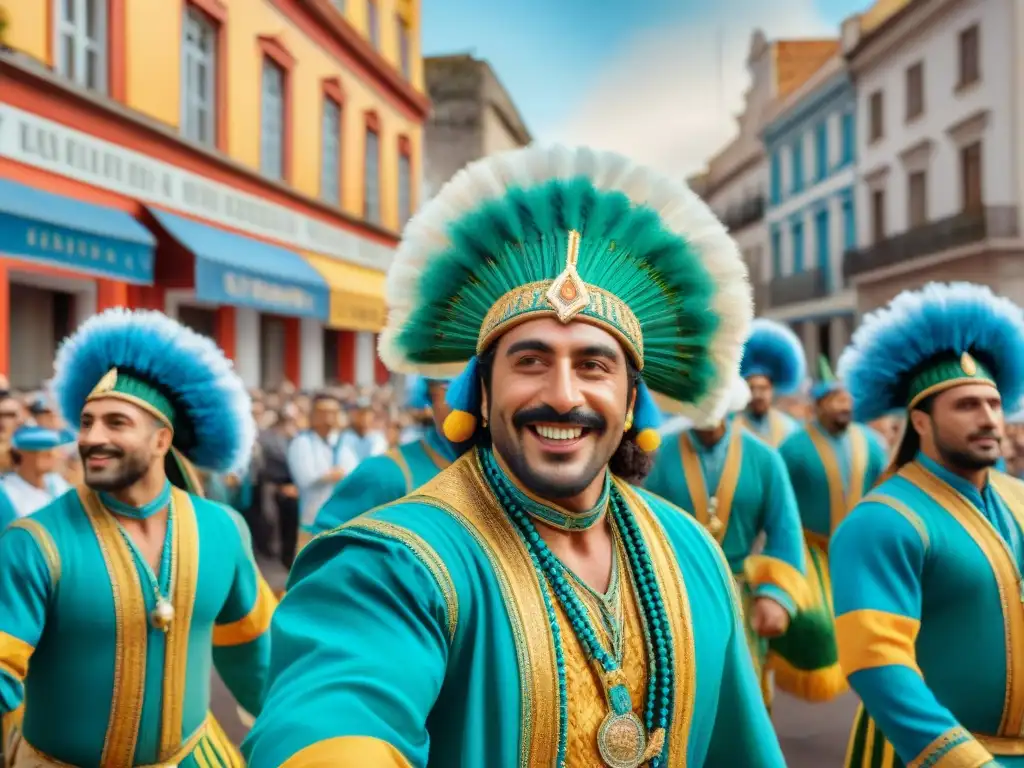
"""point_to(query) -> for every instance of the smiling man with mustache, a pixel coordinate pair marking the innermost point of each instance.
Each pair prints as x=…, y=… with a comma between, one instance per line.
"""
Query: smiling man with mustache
x=529, y=606
x=926, y=571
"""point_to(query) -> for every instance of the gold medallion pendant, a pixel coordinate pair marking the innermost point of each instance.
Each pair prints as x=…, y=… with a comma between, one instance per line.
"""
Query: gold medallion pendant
x=162, y=615
x=622, y=740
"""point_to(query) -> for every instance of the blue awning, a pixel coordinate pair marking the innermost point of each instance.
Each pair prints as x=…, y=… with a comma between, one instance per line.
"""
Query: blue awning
x=85, y=237
x=238, y=270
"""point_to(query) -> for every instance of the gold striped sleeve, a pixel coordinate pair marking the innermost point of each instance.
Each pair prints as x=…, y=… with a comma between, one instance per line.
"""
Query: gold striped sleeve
x=761, y=569
x=868, y=638
x=253, y=624
x=348, y=752
x=45, y=542
x=14, y=656
x=956, y=748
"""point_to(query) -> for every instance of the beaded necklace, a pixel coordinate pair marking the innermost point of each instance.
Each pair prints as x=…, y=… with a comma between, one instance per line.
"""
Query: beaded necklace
x=162, y=614
x=559, y=518
x=622, y=740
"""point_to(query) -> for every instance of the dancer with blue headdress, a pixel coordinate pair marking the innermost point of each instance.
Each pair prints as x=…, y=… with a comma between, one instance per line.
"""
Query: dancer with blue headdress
x=832, y=462
x=383, y=479
x=529, y=605
x=736, y=485
x=773, y=365
x=926, y=571
x=117, y=599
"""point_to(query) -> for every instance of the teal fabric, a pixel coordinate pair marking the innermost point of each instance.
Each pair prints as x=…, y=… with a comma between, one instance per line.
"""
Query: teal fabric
x=363, y=631
x=807, y=472
x=881, y=561
x=71, y=626
x=8, y=514
x=764, y=501
x=381, y=480
x=762, y=426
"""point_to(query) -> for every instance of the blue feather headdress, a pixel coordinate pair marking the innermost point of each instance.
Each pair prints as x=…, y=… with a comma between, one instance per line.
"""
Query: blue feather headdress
x=930, y=340
x=774, y=351
x=182, y=378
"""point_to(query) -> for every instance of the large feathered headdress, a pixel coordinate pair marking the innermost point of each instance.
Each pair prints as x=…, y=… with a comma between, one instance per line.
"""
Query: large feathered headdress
x=775, y=352
x=930, y=340
x=579, y=235
x=177, y=375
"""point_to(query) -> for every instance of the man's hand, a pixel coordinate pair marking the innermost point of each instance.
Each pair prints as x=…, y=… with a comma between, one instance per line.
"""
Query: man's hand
x=289, y=491
x=768, y=618
x=335, y=475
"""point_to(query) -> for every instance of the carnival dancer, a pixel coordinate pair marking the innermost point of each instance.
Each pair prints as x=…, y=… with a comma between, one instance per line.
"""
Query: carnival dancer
x=34, y=482
x=527, y=606
x=116, y=599
x=382, y=479
x=926, y=571
x=773, y=365
x=737, y=487
x=832, y=463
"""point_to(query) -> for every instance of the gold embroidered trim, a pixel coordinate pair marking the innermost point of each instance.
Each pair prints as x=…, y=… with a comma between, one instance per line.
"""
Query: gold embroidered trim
x=45, y=542
x=841, y=500
x=898, y=506
x=131, y=629
x=439, y=461
x=185, y=580
x=403, y=467
x=955, y=748
x=423, y=552
x=694, y=474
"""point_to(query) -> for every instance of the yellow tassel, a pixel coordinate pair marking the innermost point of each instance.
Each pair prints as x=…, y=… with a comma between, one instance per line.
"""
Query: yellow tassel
x=459, y=426
x=648, y=440
x=818, y=685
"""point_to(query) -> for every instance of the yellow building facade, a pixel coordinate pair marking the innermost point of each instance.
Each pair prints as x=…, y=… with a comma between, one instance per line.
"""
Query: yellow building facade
x=361, y=56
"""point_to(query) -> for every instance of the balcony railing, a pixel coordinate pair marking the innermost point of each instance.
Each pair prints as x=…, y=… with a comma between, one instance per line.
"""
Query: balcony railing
x=934, y=237
x=800, y=286
x=762, y=297
x=746, y=213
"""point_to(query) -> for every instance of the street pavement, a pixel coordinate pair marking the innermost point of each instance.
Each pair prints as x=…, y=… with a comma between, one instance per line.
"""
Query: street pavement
x=812, y=735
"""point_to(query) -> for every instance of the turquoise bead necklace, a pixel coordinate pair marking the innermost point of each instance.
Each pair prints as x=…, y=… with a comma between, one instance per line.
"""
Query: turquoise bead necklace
x=622, y=739
x=563, y=519
x=162, y=615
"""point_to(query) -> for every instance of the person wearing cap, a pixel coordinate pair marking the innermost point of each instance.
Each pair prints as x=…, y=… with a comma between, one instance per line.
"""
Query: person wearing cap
x=926, y=570
x=773, y=365
x=383, y=479
x=530, y=606
x=34, y=483
x=362, y=439
x=737, y=487
x=832, y=462
x=117, y=600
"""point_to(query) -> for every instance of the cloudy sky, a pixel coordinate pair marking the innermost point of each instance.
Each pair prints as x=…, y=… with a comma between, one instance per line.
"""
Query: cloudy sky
x=660, y=80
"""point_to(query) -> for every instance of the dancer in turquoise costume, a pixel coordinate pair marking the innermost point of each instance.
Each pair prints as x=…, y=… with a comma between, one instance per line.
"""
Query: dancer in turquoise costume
x=832, y=463
x=383, y=479
x=529, y=606
x=773, y=364
x=737, y=487
x=116, y=600
x=926, y=571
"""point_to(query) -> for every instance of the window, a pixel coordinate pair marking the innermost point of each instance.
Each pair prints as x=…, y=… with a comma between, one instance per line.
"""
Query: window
x=797, y=232
x=970, y=52
x=877, y=216
x=330, y=153
x=849, y=224
x=404, y=54
x=797, y=165
x=821, y=151
x=272, y=120
x=970, y=176
x=404, y=187
x=199, y=77
x=915, y=91
x=371, y=177
x=875, y=110
x=373, y=23
x=776, y=252
x=917, y=198
x=849, y=138
x=821, y=240
x=82, y=42
x=776, y=178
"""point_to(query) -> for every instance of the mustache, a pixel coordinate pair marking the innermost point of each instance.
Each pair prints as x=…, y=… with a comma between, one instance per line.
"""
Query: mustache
x=982, y=434
x=577, y=417
x=103, y=451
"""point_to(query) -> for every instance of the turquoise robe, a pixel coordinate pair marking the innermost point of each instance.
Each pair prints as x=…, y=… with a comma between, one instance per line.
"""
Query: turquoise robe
x=753, y=494
x=417, y=635
x=926, y=577
x=75, y=634
x=829, y=475
x=774, y=427
x=383, y=479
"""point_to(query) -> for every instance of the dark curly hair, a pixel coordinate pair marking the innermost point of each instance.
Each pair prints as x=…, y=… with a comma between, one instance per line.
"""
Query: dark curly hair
x=629, y=462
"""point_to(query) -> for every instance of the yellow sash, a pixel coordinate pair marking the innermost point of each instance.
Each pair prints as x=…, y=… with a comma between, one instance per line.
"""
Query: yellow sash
x=841, y=500
x=726, y=489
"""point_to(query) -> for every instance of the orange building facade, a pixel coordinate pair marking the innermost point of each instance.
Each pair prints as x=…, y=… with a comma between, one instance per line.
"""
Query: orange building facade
x=246, y=168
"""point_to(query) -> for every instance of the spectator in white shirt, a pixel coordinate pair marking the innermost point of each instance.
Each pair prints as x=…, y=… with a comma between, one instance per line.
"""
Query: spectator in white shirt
x=34, y=483
x=362, y=440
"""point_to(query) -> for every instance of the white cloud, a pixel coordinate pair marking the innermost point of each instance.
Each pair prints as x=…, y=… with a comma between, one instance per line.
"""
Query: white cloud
x=665, y=101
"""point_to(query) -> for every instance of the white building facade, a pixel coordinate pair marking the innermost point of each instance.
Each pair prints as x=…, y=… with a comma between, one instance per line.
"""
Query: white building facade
x=940, y=128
